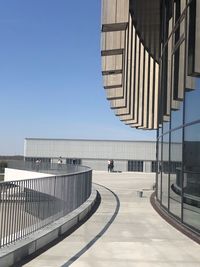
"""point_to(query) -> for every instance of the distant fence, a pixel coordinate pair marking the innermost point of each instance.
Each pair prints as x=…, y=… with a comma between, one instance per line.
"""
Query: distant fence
x=28, y=205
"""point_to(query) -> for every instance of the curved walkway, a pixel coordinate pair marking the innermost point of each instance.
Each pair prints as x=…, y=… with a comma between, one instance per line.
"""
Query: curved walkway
x=124, y=231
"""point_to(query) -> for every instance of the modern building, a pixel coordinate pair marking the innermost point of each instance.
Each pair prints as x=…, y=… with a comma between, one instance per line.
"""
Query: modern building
x=127, y=155
x=151, y=68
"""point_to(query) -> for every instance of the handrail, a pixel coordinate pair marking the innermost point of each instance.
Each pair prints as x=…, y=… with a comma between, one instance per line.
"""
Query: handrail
x=30, y=204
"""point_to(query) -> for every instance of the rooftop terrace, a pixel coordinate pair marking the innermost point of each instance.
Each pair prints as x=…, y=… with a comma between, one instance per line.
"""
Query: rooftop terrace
x=124, y=231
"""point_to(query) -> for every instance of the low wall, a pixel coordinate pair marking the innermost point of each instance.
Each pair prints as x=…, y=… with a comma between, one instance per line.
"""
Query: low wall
x=16, y=175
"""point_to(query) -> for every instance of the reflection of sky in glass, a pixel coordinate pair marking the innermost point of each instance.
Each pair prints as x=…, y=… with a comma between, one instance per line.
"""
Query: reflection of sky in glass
x=176, y=136
x=192, y=104
x=176, y=145
x=165, y=126
x=192, y=113
x=177, y=117
x=192, y=133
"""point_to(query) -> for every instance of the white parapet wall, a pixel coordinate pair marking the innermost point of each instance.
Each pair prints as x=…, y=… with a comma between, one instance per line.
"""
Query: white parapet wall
x=15, y=175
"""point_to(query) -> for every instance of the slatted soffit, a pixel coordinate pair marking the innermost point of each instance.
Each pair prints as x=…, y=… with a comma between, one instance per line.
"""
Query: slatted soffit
x=135, y=54
x=130, y=73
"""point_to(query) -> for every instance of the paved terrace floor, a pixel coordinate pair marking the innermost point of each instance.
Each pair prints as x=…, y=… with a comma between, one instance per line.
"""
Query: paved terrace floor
x=125, y=231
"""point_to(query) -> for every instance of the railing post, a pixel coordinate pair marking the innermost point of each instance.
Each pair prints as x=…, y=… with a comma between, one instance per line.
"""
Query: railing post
x=28, y=205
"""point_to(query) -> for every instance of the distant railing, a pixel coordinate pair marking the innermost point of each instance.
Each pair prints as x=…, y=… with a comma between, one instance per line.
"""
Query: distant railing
x=191, y=181
x=28, y=205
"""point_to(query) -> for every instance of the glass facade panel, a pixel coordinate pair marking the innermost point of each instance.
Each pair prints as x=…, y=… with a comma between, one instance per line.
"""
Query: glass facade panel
x=165, y=127
x=159, y=173
x=154, y=166
x=165, y=170
x=176, y=177
x=192, y=100
x=177, y=117
x=191, y=185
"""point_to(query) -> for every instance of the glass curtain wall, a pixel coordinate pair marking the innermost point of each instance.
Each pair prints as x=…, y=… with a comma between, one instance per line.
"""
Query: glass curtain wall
x=178, y=143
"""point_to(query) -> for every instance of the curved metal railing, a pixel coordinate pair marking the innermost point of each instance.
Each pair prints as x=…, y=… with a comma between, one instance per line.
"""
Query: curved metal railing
x=28, y=205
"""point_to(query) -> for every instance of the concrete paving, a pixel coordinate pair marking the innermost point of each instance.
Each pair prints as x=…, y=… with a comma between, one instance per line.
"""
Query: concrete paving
x=124, y=231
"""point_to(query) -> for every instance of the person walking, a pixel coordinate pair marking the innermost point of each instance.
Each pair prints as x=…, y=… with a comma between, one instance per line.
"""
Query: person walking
x=108, y=165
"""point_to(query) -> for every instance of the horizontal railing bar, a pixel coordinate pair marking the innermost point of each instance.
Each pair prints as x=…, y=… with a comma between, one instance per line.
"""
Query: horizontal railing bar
x=28, y=205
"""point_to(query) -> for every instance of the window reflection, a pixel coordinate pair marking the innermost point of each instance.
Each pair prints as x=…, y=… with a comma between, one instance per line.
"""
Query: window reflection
x=165, y=127
x=176, y=174
x=192, y=100
x=177, y=117
x=159, y=168
x=165, y=170
x=191, y=193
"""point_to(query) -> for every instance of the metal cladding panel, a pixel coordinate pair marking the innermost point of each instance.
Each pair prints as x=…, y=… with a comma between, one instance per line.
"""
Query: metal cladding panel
x=112, y=40
x=169, y=70
x=114, y=11
x=122, y=11
x=151, y=88
x=181, y=71
x=114, y=93
x=112, y=80
x=134, y=120
x=145, y=113
x=127, y=73
x=120, y=40
x=132, y=78
x=111, y=63
x=91, y=149
x=121, y=103
x=108, y=11
x=136, y=78
x=141, y=86
x=179, y=55
x=156, y=88
x=117, y=103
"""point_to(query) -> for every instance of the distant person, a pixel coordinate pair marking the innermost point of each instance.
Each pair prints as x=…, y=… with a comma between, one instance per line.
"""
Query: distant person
x=37, y=164
x=112, y=165
x=108, y=165
x=59, y=162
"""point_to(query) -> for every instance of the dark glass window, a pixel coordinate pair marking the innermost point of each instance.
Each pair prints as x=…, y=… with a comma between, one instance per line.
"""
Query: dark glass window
x=135, y=166
x=154, y=166
x=73, y=161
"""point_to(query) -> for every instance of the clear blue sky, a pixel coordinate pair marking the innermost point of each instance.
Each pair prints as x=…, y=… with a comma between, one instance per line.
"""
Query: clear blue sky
x=50, y=74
